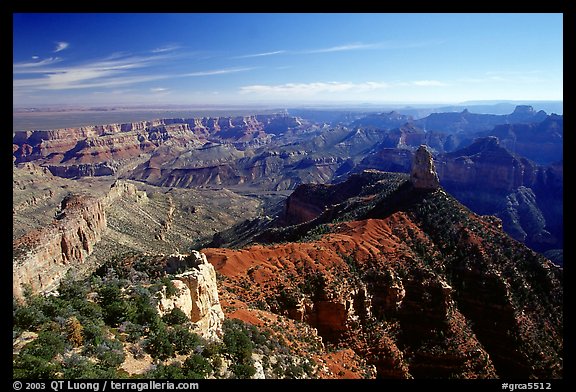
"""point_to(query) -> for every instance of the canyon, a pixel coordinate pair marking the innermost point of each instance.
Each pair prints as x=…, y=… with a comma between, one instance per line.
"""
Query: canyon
x=411, y=248
x=506, y=165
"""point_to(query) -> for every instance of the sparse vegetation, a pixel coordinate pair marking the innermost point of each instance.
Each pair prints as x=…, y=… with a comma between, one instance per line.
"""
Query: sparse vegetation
x=447, y=295
x=84, y=331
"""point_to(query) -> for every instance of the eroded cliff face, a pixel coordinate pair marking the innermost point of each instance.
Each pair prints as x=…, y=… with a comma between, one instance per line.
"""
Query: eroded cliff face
x=197, y=294
x=412, y=281
x=344, y=286
x=484, y=165
x=117, y=142
x=42, y=257
x=489, y=179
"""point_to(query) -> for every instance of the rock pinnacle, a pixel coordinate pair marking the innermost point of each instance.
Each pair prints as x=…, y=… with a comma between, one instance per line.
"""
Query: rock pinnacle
x=423, y=174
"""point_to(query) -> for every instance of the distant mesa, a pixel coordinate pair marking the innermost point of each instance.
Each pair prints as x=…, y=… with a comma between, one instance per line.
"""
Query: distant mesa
x=524, y=109
x=423, y=175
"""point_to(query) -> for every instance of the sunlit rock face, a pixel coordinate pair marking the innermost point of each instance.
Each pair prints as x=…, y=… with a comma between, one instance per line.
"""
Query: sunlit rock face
x=423, y=174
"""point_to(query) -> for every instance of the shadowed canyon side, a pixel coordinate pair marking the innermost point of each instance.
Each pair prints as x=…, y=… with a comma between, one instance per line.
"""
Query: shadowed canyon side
x=42, y=257
x=283, y=196
x=407, y=278
x=65, y=228
x=505, y=165
x=356, y=273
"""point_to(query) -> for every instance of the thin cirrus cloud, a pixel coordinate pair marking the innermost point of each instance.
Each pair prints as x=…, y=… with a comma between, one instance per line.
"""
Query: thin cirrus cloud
x=219, y=71
x=392, y=44
x=167, y=48
x=264, y=54
x=312, y=88
x=102, y=73
x=515, y=77
x=339, y=48
x=60, y=46
x=331, y=87
x=26, y=67
x=345, y=48
x=111, y=72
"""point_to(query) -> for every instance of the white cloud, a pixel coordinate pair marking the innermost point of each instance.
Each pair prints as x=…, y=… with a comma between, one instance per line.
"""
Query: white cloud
x=99, y=73
x=158, y=89
x=514, y=77
x=115, y=70
x=312, y=88
x=264, y=54
x=60, y=46
x=428, y=83
x=167, y=48
x=25, y=67
x=343, y=48
x=218, y=71
x=319, y=88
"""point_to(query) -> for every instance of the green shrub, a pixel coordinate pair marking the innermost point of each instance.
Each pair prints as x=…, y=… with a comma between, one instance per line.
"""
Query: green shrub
x=196, y=366
x=183, y=340
x=134, y=331
x=46, y=346
x=35, y=359
x=115, y=308
x=212, y=350
x=92, y=332
x=158, y=344
x=28, y=317
x=145, y=309
x=110, y=353
x=78, y=367
x=243, y=370
x=30, y=366
x=171, y=289
x=171, y=371
x=236, y=341
x=175, y=316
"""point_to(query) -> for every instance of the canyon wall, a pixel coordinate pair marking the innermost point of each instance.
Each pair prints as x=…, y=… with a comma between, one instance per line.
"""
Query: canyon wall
x=42, y=257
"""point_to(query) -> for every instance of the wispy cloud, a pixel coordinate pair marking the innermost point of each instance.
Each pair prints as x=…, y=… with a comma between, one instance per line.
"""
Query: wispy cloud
x=395, y=44
x=219, y=71
x=100, y=73
x=160, y=91
x=516, y=77
x=25, y=67
x=60, y=46
x=312, y=88
x=344, y=48
x=315, y=88
x=167, y=48
x=264, y=54
x=112, y=71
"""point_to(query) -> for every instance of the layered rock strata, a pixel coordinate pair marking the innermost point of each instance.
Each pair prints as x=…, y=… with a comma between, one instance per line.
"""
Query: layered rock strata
x=42, y=257
x=197, y=294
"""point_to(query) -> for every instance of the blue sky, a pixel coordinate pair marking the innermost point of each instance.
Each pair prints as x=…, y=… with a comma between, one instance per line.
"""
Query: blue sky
x=127, y=59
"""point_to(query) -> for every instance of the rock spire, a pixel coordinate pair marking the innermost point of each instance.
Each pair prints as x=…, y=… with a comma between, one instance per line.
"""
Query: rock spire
x=423, y=174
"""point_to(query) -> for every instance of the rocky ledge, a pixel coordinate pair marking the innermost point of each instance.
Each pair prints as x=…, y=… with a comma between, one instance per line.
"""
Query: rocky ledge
x=42, y=257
